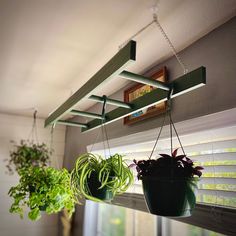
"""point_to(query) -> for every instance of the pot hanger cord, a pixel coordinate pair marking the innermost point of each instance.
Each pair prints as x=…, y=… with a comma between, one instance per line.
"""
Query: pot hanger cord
x=172, y=125
x=103, y=130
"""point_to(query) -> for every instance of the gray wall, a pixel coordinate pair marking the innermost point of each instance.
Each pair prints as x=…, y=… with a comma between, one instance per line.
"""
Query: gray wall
x=217, y=52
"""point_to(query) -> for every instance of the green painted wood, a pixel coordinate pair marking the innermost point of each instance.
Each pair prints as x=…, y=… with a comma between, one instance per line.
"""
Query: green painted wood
x=113, y=68
x=110, y=101
x=86, y=114
x=71, y=123
x=181, y=85
x=144, y=80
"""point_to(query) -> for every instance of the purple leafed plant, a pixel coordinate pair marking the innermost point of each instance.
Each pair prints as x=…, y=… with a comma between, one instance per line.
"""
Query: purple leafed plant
x=167, y=166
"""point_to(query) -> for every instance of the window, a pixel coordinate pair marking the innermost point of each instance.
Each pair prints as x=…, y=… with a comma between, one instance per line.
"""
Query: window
x=211, y=142
x=106, y=220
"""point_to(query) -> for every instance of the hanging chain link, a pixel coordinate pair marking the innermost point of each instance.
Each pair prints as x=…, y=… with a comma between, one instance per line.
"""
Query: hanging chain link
x=155, y=18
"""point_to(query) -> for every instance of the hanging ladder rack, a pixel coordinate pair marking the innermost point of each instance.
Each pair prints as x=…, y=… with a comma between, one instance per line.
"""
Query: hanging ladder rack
x=115, y=67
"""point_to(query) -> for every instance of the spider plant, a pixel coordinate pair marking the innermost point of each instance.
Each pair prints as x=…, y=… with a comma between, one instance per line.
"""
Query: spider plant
x=100, y=179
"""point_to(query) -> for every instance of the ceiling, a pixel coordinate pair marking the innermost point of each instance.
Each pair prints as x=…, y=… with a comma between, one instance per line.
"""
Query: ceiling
x=50, y=48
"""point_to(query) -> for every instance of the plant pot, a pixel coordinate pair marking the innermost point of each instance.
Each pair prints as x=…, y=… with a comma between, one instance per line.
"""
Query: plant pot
x=168, y=196
x=94, y=184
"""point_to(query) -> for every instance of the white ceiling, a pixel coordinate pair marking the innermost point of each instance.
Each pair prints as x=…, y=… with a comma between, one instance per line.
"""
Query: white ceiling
x=49, y=48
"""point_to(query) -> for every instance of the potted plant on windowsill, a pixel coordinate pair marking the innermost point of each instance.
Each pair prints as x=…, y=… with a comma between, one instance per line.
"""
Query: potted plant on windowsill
x=169, y=184
x=42, y=189
x=28, y=154
x=100, y=179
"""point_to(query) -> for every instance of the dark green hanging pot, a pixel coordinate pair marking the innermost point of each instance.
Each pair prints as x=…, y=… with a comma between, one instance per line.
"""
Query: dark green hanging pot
x=168, y=196
x=94, y=184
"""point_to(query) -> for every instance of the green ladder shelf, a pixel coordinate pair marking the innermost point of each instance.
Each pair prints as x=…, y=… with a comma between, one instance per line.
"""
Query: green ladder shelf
x=115, y=67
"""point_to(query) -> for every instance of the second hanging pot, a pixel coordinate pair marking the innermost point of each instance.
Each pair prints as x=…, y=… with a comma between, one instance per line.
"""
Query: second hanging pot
x=169, y=197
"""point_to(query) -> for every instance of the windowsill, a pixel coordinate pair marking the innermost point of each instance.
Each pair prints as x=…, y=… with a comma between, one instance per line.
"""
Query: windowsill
x=216, y=218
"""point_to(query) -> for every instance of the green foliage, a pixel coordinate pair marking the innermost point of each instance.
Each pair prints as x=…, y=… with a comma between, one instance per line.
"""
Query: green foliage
x=42, y=189
x=112, y=173
x=26, y=155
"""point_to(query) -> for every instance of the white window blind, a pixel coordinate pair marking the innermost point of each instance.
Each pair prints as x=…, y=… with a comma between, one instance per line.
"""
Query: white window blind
x=217, y=185
x=209, y=141
x=213, y=149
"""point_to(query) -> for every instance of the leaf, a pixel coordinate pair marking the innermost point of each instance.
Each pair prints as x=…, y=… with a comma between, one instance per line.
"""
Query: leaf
x=165, y=155
x=34, y=214
x=180, y=157
x=132, y=165
x=199, y=168
x=174, y=153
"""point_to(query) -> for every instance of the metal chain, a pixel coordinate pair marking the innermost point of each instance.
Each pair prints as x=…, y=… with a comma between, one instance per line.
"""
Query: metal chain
x=155, y=18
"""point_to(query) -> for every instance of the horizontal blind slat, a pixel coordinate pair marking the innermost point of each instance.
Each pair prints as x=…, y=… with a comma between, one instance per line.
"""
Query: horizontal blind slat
x=230, y=156
x=215, y=193
x=219, y=168
x=219, y=180
x=191, y=150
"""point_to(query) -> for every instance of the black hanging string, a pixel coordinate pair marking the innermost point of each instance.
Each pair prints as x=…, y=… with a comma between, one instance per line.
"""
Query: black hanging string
x=168, y=112
x=158, y=136
x=177, y=135
x=103, y=129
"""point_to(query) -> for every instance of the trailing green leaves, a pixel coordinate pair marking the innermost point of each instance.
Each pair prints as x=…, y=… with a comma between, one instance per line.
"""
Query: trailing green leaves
x=112, y=174
x=28, y=154
x=42, y=189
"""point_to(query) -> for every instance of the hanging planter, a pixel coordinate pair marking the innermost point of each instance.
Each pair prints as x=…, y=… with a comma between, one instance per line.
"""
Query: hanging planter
x=28, y=153
x=168, y=182
x=99, y=179
x=42, y=189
